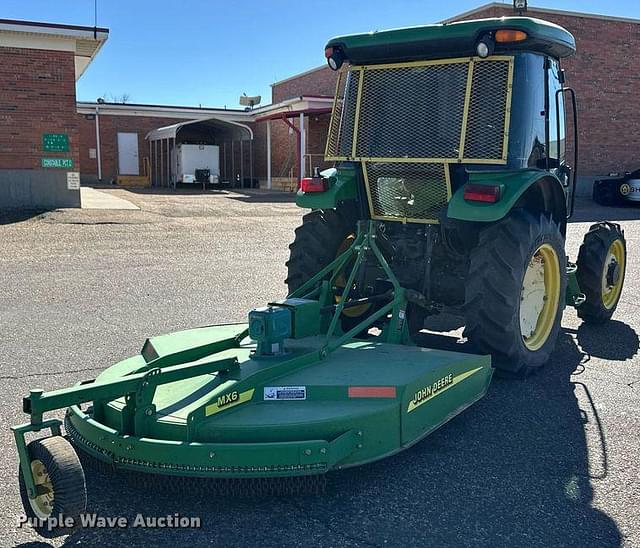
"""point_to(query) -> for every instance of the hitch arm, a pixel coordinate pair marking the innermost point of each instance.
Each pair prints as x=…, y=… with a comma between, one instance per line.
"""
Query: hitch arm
x=38, y=402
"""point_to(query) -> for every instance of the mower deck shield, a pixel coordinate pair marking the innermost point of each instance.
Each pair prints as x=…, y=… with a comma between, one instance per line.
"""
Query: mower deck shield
x=296, y=414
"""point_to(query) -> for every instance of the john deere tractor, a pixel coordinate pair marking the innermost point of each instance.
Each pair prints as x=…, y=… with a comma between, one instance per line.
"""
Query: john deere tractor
x=450, y=194
x=453, y=139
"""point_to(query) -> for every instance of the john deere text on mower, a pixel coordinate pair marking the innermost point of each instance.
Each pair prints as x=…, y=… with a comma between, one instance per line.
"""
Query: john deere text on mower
x=450, y=192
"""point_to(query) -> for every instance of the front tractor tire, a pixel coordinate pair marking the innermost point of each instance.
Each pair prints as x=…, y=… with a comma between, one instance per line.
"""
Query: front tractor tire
x=515, y=291
x=602, y=261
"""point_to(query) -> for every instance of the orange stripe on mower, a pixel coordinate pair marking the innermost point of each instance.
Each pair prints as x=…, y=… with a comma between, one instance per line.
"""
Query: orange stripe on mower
x=372, y=391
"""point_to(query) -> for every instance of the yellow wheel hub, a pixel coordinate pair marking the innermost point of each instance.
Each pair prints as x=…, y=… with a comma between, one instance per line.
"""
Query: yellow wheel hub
x=42, y=505
x=612, y=274
x=540, y=297
x=341, y=282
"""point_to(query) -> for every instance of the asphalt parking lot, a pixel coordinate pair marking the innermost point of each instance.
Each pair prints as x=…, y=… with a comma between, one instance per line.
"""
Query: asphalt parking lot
x=551, y=460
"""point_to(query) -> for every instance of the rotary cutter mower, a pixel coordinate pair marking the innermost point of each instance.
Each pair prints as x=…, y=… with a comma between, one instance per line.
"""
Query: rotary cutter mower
x=451, y=192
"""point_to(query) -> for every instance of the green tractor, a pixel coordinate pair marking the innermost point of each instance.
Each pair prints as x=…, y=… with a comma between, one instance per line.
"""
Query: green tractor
x=450, y=195
x=453, y=139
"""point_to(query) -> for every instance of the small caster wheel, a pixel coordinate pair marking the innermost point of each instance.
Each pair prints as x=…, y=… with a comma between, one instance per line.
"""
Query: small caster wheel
x=60, y=484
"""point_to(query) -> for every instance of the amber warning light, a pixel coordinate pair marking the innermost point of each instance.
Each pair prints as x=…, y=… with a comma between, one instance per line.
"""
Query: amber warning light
x=509, y=35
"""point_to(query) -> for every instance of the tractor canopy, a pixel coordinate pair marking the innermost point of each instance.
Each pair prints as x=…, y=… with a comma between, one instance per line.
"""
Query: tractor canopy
x=453, y=40
x=419, y=108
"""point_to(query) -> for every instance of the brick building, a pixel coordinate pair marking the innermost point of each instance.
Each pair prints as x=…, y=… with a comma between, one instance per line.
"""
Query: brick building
x=605, y=73
x=39, y=124
x=39, y=64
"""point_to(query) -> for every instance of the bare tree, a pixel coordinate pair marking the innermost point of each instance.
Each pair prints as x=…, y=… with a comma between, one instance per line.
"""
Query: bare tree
x=111, y=98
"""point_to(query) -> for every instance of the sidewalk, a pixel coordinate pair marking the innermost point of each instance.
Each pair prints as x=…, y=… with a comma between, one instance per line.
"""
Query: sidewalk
x=90, y=198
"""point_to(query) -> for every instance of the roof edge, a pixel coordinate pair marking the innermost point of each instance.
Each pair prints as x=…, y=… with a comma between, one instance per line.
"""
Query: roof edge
x=151, y=106
x=296, y=76
x=59, y=26
x=535, y=9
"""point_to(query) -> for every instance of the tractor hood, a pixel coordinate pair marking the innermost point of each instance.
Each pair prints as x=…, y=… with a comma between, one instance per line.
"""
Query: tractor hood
x=452, y=40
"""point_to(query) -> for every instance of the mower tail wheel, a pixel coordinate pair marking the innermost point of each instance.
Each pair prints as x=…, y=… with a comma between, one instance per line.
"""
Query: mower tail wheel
x=602, y=261
x=60, y=481
x=515, y=291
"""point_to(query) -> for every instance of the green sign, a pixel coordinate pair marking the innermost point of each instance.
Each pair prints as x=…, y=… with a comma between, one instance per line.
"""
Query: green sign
x=60, y=163
x=55, y=142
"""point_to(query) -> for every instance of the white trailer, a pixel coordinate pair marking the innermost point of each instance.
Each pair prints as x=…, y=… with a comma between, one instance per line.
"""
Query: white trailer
x=190, y=158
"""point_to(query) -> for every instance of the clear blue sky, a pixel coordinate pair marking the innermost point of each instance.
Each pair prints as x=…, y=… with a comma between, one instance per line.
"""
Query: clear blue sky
x=191, y=52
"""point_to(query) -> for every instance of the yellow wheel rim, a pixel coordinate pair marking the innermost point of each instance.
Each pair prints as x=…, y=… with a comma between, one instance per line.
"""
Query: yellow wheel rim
x=613, y=274
x=341, y=281
x=540, y=297
x=42, y=505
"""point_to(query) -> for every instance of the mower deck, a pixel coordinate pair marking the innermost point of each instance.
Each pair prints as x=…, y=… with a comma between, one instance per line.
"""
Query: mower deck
x=296, y=414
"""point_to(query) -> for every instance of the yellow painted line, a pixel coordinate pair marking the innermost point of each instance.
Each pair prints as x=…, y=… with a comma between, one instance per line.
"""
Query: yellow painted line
x=413, y=405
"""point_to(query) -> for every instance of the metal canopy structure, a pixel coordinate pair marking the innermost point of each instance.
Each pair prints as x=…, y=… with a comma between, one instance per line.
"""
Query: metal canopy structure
x=298, y=107
x=213, y=131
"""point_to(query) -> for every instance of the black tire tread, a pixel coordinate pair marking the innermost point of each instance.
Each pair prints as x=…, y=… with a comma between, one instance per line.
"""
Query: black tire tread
x=591, y=257
x=67, y=476
x=493, y=289
x=316, y=242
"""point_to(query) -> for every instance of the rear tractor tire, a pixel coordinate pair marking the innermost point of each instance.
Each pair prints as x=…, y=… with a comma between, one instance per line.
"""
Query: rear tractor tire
x=515, y=291
x=323, y=236
x=60, y=480
x=317, y=242
x=602, y=262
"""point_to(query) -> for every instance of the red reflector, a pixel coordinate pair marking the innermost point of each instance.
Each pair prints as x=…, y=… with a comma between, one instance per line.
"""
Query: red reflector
x=372, y=391
x=328, y=52
x=314, y=184
x=482, y=193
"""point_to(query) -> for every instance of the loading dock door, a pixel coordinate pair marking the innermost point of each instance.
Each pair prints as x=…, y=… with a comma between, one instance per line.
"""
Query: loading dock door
x=128, y=154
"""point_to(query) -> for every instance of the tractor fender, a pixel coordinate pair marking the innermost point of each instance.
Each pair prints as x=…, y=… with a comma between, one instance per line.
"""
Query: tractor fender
x=342, y=187
x=532, y=189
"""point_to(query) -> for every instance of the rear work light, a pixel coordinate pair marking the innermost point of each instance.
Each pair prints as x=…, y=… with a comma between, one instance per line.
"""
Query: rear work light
x=334, y=56
x=314, y=184
x=509, y=35
x=482, y=193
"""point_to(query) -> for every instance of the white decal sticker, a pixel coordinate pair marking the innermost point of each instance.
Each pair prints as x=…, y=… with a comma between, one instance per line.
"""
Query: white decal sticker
x=285, y=393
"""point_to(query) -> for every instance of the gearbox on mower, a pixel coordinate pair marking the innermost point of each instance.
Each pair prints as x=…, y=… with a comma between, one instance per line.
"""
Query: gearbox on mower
x=450, y=193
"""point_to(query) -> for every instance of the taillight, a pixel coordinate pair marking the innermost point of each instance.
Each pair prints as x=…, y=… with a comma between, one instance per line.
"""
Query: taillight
x=482, y=193
x=314, y=184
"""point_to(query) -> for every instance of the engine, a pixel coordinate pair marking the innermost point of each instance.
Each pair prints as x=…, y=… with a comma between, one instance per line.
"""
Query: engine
x=423, y=259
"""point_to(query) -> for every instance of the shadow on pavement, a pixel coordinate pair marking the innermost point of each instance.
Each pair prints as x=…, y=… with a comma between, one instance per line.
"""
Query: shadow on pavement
x=513, y=470
x=246, y=195
x=265, y=197
x=12, y=216
x=614, y=341
x=181, y=190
